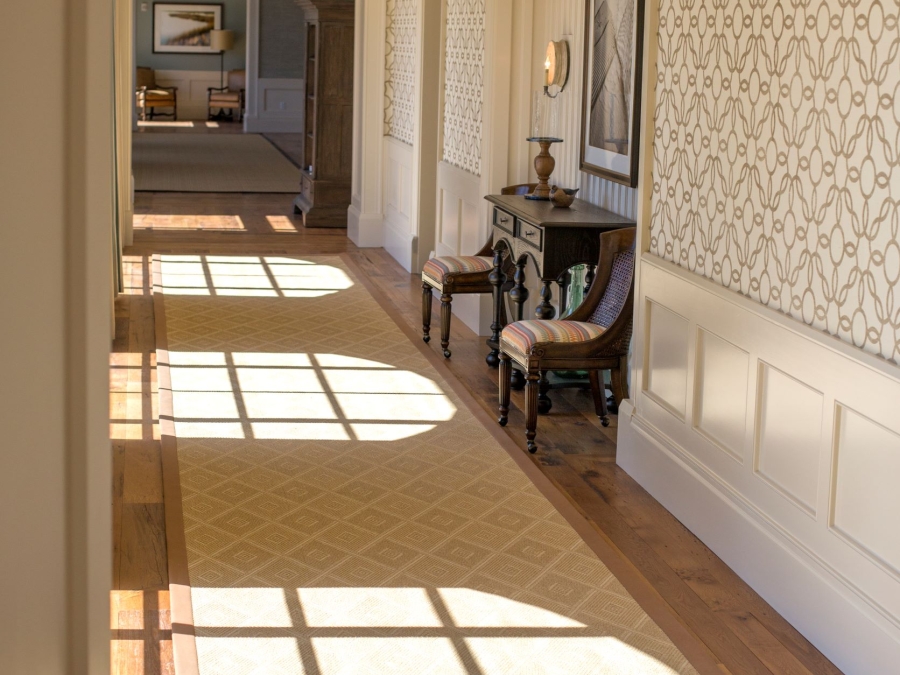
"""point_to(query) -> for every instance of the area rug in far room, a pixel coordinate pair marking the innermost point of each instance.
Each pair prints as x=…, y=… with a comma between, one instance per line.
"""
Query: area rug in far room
x=337, y=504
x=176, y=162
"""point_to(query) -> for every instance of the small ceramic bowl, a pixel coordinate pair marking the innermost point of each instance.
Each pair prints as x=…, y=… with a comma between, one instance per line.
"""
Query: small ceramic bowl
x=562, y=197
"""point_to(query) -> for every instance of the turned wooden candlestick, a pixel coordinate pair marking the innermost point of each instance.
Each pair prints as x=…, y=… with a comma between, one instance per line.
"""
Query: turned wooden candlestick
x=544, y=165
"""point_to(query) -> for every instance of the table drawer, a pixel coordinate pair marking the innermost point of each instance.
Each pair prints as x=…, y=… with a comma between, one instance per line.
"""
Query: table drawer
x=530, y=234
x=504, y=221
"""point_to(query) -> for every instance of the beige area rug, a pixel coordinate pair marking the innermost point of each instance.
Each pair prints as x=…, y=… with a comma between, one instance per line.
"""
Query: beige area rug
x=335, y=505
x=211, y=163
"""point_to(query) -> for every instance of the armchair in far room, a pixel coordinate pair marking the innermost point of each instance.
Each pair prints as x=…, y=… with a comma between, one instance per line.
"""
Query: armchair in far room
x=594, y=337
x=461, y=274
x=229, y=97
x=149, y=95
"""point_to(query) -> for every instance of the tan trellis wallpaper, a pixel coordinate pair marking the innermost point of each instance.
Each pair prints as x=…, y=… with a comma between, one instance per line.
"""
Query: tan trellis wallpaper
x=776, y=157
x=464, y=84
x=400, y=70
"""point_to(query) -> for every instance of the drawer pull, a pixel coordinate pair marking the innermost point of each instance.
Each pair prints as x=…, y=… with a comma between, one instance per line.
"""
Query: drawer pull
x=503, y=219
x=529, y=234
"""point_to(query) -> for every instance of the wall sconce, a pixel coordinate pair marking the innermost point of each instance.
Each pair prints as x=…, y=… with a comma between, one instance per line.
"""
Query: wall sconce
x=556, y=67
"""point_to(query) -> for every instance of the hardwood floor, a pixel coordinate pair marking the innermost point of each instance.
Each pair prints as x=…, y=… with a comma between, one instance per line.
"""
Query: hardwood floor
x=742, y=632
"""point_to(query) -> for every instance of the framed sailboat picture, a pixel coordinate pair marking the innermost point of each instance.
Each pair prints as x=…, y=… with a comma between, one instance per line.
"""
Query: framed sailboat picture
x=610, y=131
x=185, y=29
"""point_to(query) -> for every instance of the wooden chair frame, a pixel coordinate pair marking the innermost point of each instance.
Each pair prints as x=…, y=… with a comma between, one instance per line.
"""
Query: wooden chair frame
x=215, y=104
x=468, y=282
x=608, y=351
x=464, y=282
x=143, y=104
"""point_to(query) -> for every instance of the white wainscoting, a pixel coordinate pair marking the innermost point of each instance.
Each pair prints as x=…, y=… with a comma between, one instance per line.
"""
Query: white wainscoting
x=462, y=230
x=778, y=446
x=279, y=106
x=399, y=238
x=192, y=90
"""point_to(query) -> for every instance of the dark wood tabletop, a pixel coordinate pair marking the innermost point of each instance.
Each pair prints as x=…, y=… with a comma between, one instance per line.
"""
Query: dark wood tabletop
x=544, y=214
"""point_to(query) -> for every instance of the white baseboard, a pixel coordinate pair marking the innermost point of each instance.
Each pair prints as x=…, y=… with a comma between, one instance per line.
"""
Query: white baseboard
x=365, y=230
x=836, y=620
x=400, y=244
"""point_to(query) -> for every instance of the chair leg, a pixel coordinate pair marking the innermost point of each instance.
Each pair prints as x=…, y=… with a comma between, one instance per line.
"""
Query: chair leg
x=505, y=367
x=619, y=380
x=446, y=299
x=544, y=402
x=598, y=391
x=426, y=312
x=532, y=385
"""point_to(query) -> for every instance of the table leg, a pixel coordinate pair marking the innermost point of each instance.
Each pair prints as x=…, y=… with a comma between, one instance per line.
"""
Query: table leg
x=545, y=310
x=589, y=278
x=519, y=294
x=497, y=278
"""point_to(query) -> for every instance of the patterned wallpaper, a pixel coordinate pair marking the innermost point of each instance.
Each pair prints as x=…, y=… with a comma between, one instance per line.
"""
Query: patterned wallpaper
x=282, y=37
x=464, y=84
x=400, y=70
x=777, y=151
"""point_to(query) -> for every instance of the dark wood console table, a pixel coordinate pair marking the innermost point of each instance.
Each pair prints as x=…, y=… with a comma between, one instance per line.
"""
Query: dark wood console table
x=555, y=239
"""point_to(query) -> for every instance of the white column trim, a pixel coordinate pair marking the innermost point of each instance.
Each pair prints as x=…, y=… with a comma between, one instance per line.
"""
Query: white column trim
x=251, y=98
x=365, y=216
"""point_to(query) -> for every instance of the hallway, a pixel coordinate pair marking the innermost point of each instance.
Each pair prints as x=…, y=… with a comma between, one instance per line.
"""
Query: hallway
x=737, y=628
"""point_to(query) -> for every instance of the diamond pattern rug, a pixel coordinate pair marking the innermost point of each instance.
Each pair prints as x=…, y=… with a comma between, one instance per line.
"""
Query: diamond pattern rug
x=211, y=163
x=344, y=511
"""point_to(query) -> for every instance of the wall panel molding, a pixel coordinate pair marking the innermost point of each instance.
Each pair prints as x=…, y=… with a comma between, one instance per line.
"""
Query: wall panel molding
x=192, y=90
x=814, y=493
x=399, y=238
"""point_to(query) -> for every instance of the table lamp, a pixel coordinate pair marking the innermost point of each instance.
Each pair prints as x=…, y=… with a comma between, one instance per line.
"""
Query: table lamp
x=221, y=41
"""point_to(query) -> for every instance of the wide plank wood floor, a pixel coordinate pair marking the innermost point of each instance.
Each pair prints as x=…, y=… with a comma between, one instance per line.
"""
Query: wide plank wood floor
x=740, y=630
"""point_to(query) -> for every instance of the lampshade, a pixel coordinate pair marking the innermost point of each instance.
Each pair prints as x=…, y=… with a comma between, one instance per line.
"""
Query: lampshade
x=556, y=66
x=221, y=40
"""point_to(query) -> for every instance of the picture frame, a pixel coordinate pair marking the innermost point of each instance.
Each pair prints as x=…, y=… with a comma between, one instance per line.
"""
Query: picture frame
x=611, y=106
x=180, y=28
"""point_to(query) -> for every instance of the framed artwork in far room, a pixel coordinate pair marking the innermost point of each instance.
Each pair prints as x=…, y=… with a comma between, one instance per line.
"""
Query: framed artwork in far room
x=611, y=113
x=185, y=28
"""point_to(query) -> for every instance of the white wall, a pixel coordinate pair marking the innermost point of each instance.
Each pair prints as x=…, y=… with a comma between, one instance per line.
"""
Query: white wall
x=55, y=247
x=275, y=96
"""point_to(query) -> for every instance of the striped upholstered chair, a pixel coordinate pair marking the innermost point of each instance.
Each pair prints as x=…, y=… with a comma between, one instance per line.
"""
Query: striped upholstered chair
x=595, y=337
x=461, y=274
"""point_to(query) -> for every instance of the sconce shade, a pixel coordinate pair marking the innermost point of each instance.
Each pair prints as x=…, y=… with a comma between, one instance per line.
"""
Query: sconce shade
x=557, y=64
x=221, y=40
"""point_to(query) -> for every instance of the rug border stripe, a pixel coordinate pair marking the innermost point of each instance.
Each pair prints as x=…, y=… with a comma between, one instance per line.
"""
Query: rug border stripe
x=184, y=643
x=693, y=649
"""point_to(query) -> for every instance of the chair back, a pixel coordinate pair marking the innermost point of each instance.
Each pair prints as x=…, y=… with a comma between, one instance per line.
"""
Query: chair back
x=523, y=189
x=615, y=295
x=615, y=275
x=144, y=77
x=237, y=80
